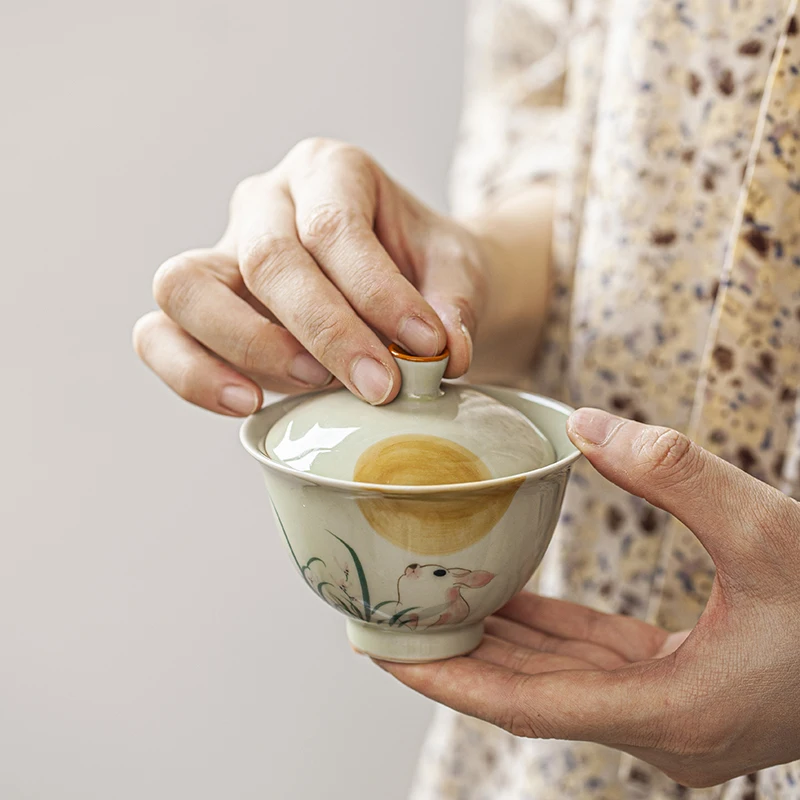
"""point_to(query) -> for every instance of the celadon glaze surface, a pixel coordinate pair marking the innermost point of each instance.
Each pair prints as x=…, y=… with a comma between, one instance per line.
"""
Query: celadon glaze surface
x=415, y=596
x=432, y=433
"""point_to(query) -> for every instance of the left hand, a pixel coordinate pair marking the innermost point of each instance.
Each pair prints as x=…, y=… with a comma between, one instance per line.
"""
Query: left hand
x=703, y=706
x=325, y=261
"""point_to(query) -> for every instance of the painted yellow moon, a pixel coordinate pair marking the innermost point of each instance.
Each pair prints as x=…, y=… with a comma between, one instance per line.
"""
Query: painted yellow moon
x=431, y=525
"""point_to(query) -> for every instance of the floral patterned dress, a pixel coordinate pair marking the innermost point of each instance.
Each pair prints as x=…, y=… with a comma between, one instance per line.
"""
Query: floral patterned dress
x=671, y=128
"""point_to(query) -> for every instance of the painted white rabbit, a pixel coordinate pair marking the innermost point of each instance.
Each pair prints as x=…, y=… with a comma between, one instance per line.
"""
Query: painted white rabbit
x=434, y=593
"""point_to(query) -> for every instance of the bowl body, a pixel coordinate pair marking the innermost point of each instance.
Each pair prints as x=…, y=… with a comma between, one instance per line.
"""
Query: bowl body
x=415, y=569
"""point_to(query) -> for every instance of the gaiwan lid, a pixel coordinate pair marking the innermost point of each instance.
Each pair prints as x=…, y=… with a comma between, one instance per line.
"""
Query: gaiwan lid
x=431, y=434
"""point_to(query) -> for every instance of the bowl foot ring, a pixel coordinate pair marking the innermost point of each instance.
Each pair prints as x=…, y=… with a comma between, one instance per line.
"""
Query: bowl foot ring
x=413, y=648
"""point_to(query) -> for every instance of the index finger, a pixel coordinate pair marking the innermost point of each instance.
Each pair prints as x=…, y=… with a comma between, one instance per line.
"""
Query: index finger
x=335, y=198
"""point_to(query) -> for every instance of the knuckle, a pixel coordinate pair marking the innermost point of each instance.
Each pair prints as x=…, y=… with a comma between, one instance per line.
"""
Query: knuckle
x=594, y=621
x=173, y=281
x=264, y=259
x=375, y=292
x=666, y=455
x=244, y=189
x=521, y=719
x=519, y=723
x=326, y=224
x=351, y=155
x=517, y=659
x=549, y=644
x=187, y=386
x=252, y=351
x=310, y=147
x=323, y=333
x=320, y=149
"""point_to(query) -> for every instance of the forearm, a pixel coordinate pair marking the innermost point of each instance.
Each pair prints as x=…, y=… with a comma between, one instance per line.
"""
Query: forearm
x=516, y=237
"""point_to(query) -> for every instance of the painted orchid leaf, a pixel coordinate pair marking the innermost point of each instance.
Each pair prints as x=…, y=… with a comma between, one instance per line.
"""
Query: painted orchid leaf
x=283, y=531
x=400, y=614
x=332, y=600
x=356, y=611
x=362, y=578
x=342, y=607
x=321, y=585
x=381, y=604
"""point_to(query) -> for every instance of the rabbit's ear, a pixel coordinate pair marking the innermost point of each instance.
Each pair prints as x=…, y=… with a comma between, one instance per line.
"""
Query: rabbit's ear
x=457, y=572
x=474, y=580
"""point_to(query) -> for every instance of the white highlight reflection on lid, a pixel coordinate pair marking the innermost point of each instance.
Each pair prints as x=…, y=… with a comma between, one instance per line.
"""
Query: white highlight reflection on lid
x=300, y=453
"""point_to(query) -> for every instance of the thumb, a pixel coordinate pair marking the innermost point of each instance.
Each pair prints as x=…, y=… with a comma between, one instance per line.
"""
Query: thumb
x=729, y=511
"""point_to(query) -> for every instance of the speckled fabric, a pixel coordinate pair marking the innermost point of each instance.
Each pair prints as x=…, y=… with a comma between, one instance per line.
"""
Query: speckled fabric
x=671, y=130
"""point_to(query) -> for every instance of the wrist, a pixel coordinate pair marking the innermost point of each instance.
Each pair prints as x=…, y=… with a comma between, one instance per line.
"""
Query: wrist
x=513, y=239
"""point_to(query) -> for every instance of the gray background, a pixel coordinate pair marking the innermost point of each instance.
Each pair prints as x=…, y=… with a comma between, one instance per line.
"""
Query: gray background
x=154, y=640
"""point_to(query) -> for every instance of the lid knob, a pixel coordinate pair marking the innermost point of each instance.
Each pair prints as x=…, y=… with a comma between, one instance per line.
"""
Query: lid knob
x=421, y=375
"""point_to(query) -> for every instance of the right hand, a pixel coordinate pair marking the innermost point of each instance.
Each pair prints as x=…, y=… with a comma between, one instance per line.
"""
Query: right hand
x=324, y=260
x=705, y=705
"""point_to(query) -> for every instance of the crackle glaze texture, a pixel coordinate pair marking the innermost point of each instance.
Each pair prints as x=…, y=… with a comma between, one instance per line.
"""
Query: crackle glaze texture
x=671, y=130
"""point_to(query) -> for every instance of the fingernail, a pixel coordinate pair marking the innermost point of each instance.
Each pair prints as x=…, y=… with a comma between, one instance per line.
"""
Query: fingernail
x=418, y=337
x=371, y=379
x=468, y=340
x=239, y=399
x=593, y=425
x=306, y=369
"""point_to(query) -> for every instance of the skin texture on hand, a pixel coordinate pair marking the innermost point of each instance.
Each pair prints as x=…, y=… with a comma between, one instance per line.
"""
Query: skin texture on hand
x=325, y=261
x=704, y=705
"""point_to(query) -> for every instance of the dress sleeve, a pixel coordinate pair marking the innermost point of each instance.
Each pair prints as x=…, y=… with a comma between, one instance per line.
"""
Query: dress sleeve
x=512, y=124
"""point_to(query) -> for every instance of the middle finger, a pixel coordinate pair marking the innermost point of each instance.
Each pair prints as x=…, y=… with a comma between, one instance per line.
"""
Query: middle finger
x=281, y=274
x=189, y=291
